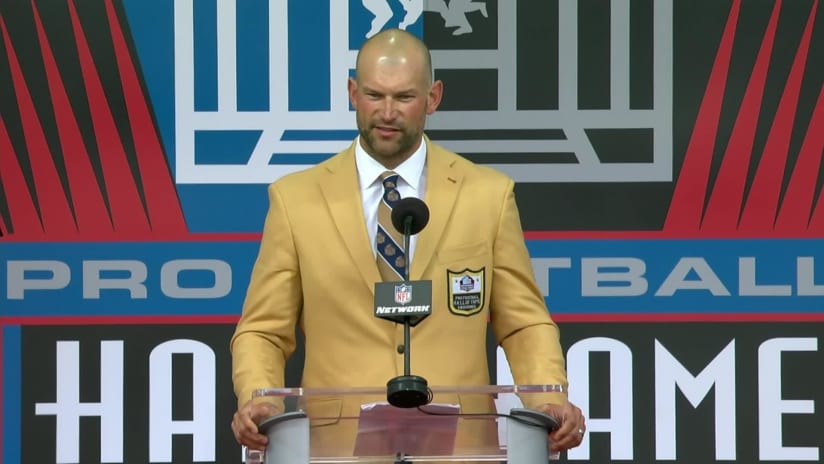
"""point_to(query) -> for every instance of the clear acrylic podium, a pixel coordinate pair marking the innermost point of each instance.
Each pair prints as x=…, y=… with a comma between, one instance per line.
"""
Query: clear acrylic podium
x=491, y=423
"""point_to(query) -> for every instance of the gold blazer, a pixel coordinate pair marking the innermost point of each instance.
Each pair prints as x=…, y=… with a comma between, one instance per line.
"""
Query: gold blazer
x=316, y=269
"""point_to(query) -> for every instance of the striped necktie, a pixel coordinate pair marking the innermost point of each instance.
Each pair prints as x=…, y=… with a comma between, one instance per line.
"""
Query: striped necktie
x=389, y=242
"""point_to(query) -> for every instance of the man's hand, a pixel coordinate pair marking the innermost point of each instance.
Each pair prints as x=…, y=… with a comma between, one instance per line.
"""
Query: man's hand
x=572, y=425
x=245, y=421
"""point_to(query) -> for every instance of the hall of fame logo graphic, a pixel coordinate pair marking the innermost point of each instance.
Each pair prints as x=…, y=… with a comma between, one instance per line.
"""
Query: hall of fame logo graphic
x=303, y=115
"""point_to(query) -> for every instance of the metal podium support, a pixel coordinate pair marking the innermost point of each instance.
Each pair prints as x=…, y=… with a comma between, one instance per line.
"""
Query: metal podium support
x=528, y=436
x=288, y=438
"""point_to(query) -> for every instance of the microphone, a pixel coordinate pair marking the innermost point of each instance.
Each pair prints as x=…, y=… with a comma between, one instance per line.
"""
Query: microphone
x=409, y=216
x=413, y=210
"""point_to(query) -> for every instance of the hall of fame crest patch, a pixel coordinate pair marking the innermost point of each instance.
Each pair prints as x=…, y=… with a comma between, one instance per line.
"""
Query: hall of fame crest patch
x=465, y=291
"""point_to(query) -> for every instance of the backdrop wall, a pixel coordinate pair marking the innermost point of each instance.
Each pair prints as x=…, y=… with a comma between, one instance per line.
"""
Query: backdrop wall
x=667, y=155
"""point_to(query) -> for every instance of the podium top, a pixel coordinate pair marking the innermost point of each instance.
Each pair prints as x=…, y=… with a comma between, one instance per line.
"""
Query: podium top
x=460, y=424
x=458, y=390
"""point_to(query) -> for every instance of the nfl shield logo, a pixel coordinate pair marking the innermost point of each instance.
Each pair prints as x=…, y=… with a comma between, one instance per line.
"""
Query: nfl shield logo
x=403, y=294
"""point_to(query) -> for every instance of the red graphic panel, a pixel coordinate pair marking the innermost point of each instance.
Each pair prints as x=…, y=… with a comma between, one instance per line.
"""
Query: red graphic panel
x=728, y=213
x=133, y=196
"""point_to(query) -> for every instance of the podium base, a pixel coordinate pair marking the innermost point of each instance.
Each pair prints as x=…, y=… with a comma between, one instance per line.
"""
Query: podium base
x=408, y=391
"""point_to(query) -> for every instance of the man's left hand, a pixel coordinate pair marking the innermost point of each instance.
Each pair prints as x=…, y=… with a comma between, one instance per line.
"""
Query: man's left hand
x=572, y=425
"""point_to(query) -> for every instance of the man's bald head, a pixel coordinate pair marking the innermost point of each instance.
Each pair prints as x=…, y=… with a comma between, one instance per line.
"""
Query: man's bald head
x=392, y=93
x=395, y=45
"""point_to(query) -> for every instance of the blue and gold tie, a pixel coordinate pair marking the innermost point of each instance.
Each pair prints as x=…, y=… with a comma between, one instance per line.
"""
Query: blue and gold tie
x=389, y=242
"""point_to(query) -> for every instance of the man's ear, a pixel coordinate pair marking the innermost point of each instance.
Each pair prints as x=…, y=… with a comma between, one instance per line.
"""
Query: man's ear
x=434, y=97
x=352, y=86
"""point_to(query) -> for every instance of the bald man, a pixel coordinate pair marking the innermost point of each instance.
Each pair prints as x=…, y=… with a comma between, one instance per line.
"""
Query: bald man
x=317, y=264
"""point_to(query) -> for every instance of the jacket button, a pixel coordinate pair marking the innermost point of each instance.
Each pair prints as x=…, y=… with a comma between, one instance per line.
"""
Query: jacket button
x=401, y=349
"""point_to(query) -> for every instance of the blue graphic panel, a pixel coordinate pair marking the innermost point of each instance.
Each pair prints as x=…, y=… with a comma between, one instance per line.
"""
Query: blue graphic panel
x=680, y=276
x=224, y=147
x=205, y=65
x=253, y=55
x=309, y=69
x=576, y=277
x=96, y=279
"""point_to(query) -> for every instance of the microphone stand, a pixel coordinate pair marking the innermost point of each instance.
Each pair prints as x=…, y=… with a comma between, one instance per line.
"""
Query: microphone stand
x=407, y=334
x=407, y=391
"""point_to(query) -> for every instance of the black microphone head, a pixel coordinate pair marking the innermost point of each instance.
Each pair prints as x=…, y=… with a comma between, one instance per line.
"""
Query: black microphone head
x=410, y=207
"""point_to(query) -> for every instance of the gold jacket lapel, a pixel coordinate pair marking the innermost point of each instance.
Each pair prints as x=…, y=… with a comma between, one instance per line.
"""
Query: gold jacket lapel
x=342, y=193
x=443, y=181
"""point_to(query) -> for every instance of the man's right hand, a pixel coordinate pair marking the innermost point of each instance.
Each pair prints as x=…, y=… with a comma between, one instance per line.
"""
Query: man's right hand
x=245, y=423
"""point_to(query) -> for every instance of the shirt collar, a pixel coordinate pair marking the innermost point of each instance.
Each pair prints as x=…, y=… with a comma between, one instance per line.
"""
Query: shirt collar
x=410, y=170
